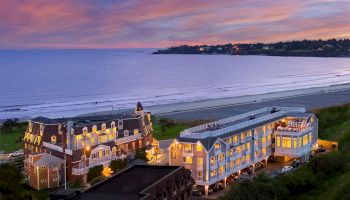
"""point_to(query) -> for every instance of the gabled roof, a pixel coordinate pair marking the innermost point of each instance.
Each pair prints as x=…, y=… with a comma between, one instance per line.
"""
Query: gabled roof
x=48, y=160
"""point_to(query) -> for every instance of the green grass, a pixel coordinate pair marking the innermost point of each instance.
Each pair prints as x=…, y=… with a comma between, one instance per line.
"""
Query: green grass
x=10, y=140
x=170, y=132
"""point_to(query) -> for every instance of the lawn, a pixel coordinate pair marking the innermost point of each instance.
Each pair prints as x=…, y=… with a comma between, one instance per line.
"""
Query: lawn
x=10, y=140
x=169, y=132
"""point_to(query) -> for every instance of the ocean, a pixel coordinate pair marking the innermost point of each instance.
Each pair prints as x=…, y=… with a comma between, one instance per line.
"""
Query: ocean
x=65, y=83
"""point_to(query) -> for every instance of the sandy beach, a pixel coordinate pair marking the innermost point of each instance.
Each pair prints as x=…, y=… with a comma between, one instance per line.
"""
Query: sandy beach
x=311, y=98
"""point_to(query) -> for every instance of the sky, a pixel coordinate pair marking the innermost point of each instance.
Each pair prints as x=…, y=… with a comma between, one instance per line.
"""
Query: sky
x=31, y=24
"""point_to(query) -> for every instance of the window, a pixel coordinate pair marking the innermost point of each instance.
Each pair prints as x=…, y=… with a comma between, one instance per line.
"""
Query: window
x=235, y=139
x=229, y=140
x=100, y=154
x=53, y=139
x=200, y=162
x=305, y=138
x=103, y=127
x=188, y=148
x=199, y=173
x=221, y=170
x=213, y=172
x=199, y=147
x=94, y=128
x=300, y=141
x=295, y=142
x=232, y=164
x=248, y=145
x=221, y=158
x=187, y=160
x=100, y=139
x=263, y=140
x=111, y=136
x=136, y=131
x=213, y=160
x=238, y=161
x=173, y=154
x=278, y=141
x=310, y=139
x=286, y=142
x=113, y=126
x=263, y=151
x=41, y=130
x=85, y=130
x=92, y=140
x=126, y=133
x=217, y=146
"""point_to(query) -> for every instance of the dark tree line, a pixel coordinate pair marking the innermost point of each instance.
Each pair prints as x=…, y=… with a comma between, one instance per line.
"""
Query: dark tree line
x=315, y=48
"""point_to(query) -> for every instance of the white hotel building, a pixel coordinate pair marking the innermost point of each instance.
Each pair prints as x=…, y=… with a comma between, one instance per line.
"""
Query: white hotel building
x=215, y=150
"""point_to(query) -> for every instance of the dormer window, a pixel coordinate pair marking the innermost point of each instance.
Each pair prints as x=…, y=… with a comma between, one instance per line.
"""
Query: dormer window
x=136, y=131
x=120, y=124
x=113, y=126
x=103, y=127
x=41, y=130
x=85, y=130
x=30, y=126
x=217, y=146
x=53, y=139
x=94, y=128
x=126, y=133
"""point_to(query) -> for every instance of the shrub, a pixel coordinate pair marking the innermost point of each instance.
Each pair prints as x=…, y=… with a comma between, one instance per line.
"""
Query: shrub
x=327, y=164
x=95, y=172
x=118, y=164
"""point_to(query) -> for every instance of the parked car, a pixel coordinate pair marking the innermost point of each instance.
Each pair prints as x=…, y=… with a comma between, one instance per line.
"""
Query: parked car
x=320, y=150
x=296, y=163
x=196, y=192
x=15, y=154
x=218, y=186
x=286, y=169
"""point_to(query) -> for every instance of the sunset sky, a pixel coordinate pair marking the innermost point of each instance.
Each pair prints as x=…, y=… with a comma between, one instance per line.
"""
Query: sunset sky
x=163, y=23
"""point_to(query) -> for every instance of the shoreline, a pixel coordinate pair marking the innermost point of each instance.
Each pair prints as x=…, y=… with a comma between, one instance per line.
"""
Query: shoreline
x=224, y=107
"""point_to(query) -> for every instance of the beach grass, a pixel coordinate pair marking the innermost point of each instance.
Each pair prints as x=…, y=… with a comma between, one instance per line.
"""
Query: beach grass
x=11, y=140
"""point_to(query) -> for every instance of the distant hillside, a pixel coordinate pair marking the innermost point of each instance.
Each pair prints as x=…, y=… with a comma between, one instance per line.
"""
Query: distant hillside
x=308, y=48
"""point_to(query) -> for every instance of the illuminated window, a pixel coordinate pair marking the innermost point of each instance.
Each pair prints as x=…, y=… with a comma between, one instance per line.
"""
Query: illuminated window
x=263, y=151
x=286, y=142
x=221, y=158
x=85, y=130
x=221, y=170
x=100, y=154
x=187, y=160
x=173, y=154
x=199, y=147
x=213, y=172
x=213, y=160
x=229, y=140
x=295, y=144
x=188, y=148
x=41, y=130
x=200, y=162
x=238, y=149
x=238, y=161
x=199, y=173
x=111, y=136
x=263, y=140
x=103, y=127
x=310, y=139
x=100, y=139
x=136, y=131
x=230, y=153
x=248, y=145
x=113, y=126
x=92, y=140
x=247, y=157
x=179, y=146
x=232, y=164
x=94, y=128
x=278, y=141
x=235, y=139
x=269, y=138
x=305, y=142
x=217, y=146
x=53, y=139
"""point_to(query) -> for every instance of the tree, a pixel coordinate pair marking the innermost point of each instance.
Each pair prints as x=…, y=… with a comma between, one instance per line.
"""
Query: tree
x=11, y=183
x=142, y=155
x=95, y=172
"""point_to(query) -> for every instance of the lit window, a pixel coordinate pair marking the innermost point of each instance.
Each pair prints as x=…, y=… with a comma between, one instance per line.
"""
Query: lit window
x=263, y=151
x=221, y=170
x=103, y=127
x=53, y=139
x=212, y=160
x=278, y=138
x=173, y=154
x=188, y=148
x=187, y=160
x=94, y=128
x=100, y=154
x=200, y=174
x=305, y=142
x=232, y=164
x=213, y=172
x=235, y=138
x=111, y=136
x=217, y=146
x=286, y=142
x=229, y=140
x=247, y=157
x=199, y=147
x=221, y=158
x=92, y=140
x=85, y=130
x=310, y=139
x=295, y=143
x=200, y=162
x=136, y=131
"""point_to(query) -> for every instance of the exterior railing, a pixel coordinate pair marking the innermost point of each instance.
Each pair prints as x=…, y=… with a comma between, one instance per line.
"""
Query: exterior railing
x=291, y=133
x=191, y=132
x=127, y=139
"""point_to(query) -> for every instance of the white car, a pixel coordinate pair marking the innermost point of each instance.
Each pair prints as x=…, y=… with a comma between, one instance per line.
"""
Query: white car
x=15, y=154
x=286, y=169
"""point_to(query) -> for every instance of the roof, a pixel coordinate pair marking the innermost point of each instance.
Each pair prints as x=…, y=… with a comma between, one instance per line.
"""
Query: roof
x=129, y=183
x=48, y=160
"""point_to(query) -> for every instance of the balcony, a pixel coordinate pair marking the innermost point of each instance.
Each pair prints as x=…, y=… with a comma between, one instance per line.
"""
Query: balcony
x=293, y=131
x=297, y=152
x=127, y=139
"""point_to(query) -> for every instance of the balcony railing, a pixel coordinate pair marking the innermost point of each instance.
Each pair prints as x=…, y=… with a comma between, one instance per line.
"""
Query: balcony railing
x=291, y=151
x=127, y=139
x=292, y=133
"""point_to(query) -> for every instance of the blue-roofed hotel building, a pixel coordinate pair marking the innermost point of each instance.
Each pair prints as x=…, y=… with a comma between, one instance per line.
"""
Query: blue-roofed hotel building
x=215, y=150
